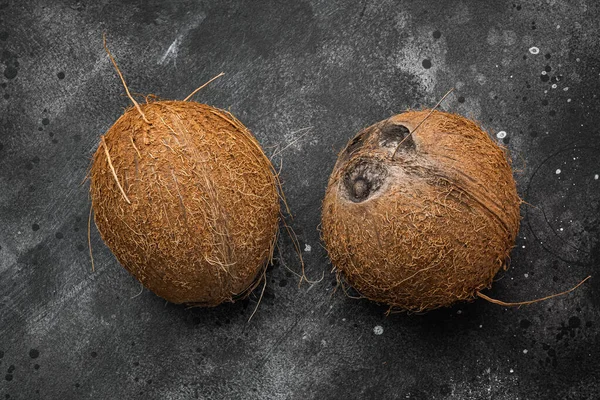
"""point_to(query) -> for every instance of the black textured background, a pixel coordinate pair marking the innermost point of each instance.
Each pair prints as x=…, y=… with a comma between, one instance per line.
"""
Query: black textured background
x=308, y=74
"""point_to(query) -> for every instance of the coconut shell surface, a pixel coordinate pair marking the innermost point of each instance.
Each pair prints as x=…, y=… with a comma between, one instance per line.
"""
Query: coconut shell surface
x=201, y=215
x=428, y=226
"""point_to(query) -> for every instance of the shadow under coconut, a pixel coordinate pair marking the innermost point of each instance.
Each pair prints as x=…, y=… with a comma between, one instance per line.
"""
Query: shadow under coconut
x=237, y=313
x=457, y=319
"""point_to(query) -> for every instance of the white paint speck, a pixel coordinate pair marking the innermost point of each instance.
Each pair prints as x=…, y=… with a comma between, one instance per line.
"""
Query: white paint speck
x=511, y=371
x=596, y=176
x=480, y=326
x=554, y=86
x=526, y=275
x=525, y=351
x=307, y=247
x=534, y=50
x=566, y=88
x=501, y=134
x=561, y=229
x=378, y=330
x=568, y=100
x=558, y=171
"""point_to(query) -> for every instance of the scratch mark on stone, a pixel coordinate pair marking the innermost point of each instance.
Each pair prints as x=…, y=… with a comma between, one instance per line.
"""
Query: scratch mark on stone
x=172, y=51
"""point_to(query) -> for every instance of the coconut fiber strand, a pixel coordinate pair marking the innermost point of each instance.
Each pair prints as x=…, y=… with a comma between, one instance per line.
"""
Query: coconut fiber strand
x=423, y=220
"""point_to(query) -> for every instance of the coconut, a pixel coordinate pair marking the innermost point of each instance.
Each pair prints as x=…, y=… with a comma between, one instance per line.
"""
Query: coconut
x=420, y=218
x=186, y=200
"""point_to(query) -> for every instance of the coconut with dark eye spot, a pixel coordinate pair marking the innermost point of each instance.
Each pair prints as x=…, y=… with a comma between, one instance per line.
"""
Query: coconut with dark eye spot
x=423, y=220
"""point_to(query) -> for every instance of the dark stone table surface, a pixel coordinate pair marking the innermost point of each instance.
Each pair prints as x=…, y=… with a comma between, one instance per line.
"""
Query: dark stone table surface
x=304, y=76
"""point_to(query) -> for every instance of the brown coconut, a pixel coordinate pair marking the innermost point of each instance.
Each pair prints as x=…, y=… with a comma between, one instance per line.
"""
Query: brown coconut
x=423, y=220
x=187, y=201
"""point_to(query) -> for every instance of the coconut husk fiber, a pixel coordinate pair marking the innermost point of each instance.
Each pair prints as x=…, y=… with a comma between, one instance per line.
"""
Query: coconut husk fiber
x=420, y=219
x=187, y=201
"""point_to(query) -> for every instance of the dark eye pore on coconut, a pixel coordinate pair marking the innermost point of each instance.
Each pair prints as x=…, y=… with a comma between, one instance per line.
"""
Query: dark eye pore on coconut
x=421, y=211
x=187, y=201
